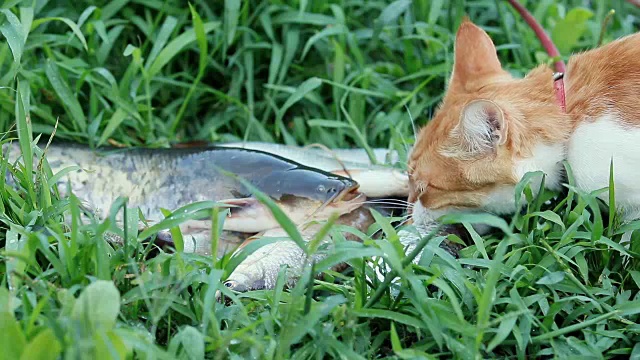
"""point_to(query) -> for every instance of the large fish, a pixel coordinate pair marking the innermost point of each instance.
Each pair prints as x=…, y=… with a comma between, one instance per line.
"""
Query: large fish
x=170, y=178
x=152, y=179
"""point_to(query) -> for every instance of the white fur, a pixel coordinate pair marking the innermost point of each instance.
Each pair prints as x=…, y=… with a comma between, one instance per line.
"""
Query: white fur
x=501, y=200
x=590, y=150
x=423, y=216
x=546, y=158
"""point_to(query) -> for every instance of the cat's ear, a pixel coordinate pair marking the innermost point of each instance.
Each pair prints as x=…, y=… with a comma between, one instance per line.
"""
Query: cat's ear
x=482, y=128
x=475, y=54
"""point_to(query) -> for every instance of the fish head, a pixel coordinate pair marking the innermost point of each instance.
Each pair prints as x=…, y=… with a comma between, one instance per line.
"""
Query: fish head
x=308, y=183
x=302, y=196
x=308, y=194
x=301, y=210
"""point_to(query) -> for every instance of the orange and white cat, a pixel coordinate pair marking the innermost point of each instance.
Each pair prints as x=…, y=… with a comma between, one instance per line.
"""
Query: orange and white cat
x=492, y=128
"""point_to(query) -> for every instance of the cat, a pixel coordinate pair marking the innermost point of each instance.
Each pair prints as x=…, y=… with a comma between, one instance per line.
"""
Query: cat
x=491, y=128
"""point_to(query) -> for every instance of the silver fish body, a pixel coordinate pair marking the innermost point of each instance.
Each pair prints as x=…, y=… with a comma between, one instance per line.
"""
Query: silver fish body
x=260, y=269
x=199, y=241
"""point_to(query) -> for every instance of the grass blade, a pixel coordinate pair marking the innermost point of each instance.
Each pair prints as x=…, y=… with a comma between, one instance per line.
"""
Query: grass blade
x=69, y=101
x=231, y=15
x=114, y=122
x=175, y=46
x=13, y=31
x=71, y=24
x=161, y=40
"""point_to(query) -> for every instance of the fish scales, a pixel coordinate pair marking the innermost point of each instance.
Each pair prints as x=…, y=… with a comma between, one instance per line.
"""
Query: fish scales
x=150, y=179
x=153, y=179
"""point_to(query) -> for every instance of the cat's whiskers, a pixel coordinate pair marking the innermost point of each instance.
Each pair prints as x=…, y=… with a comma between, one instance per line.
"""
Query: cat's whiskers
x=391, y=204
x=387, y=201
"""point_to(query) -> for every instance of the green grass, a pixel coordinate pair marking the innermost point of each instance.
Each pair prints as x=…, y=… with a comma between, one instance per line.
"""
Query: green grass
x=554, y=282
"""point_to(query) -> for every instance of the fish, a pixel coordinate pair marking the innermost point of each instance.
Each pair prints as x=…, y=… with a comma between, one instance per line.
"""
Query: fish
x=375, y=180
x=153, y=179
x=259, y=270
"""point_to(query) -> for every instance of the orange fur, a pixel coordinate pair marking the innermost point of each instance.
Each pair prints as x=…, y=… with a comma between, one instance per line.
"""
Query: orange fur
x=520, y=114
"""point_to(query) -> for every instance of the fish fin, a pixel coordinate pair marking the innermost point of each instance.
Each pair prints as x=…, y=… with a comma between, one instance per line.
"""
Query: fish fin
x=250, y=239
x=247, y=215
x=240, y=206
x=196, y=226
x=240, y=202
x=191, y=144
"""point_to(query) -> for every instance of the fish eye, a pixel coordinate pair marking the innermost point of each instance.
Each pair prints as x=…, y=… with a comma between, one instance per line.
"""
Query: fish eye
x=321, y=188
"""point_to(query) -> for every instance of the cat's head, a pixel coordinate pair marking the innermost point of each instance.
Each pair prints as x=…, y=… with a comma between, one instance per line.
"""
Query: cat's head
x=472, y=152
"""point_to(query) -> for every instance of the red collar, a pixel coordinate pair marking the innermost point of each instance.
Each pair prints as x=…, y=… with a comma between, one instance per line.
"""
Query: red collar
x=558, y=86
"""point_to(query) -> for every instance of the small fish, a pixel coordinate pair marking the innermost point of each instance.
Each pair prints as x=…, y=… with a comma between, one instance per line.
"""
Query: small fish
x=260, y=269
